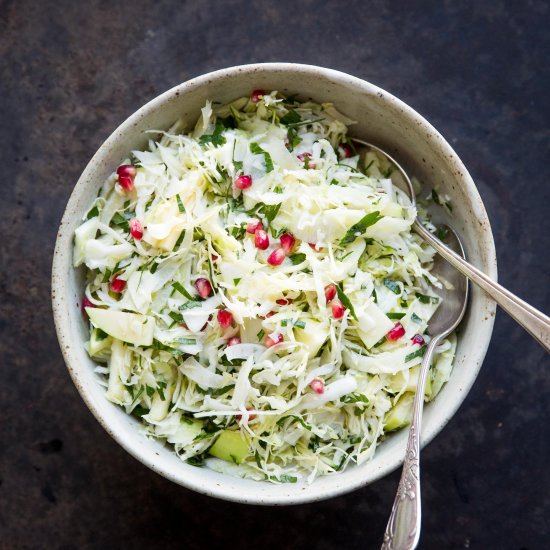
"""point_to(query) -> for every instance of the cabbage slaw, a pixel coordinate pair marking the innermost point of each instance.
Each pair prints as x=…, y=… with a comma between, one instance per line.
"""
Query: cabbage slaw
x=285, y=391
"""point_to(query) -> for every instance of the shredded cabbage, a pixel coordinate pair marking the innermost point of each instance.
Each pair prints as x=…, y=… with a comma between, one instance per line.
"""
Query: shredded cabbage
x=307, y=392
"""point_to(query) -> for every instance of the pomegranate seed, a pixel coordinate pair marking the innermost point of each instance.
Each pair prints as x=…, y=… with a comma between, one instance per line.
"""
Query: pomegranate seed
x=396, y=332
x=271, y=341
x=117, y=285
x=287, y=242
x=127, y=171
x=256, y=95
x=126, y=182
x=214, y=258
x=346, y=150
x=250, y=416
x=234, y=341
x=252, y=227
x=318, y=386
x=270, y=314
x=243, y=182
x=418, y=339
x=183, y=325
x=337, y=309
x=276, y=257
x=86, y=303
x=330, y=292
x=225, y=318
x=135, y=229
x=305, y=158
x=283, y=302
x=261, y=240
x=204, y=288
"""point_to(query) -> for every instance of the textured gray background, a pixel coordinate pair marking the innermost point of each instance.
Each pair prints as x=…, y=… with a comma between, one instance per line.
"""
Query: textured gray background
x=71, y=71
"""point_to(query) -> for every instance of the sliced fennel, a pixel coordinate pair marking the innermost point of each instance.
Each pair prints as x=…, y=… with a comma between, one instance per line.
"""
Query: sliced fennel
x=252, y=372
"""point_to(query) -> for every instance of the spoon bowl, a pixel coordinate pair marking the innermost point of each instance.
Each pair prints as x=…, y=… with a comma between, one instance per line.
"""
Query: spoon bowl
x=454, y=294
x=536, y=323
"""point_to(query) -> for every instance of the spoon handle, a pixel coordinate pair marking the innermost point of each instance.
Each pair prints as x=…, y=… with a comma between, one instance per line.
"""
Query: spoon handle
x=403, y=529
x=532, y=320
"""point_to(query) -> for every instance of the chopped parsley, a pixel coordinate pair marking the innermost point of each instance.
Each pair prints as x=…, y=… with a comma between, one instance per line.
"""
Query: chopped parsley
x=361, y=226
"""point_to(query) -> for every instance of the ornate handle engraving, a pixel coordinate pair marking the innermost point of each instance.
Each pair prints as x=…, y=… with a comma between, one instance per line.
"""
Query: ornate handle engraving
x=403, y=529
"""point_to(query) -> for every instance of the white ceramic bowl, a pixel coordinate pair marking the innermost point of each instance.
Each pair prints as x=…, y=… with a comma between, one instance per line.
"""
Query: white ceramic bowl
x=382, y=119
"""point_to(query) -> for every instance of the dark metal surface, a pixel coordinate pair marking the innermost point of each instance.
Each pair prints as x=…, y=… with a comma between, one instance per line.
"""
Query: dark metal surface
x=71, y=71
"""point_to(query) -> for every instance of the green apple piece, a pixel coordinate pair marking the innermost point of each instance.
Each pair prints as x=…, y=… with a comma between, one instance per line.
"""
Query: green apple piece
x=117, y=369
x=99, y=342
x=313, y=335
x=230, y=446
x=129, y=327
x=401, y=413
x=372, y=323
x=397, y=382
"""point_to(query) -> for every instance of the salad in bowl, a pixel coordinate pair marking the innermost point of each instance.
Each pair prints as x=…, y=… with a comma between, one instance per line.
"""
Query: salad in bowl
x=255, y=293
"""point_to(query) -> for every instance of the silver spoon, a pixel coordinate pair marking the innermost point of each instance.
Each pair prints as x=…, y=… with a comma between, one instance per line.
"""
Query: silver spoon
x=403, y=529
x=533, y=321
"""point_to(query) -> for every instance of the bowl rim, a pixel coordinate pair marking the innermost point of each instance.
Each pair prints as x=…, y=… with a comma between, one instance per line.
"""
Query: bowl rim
x=62, y=267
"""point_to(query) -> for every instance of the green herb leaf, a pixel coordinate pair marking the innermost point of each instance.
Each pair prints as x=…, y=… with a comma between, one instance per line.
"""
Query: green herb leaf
x=100, y=334
x=185, y=341
x=94, y=212
x=120, y=221
x=361, y=226
x=179, y=241
x=179, y=287
x=292, y=117
x=220, y=391
x=181, y=208
x=354, y=398
x=418, y=353
x=260, y=334
x=299, y=324
x=425, y=299
x=257, y=150
x=190, y=305
x=236, y=281
x=215, y=138
x=392, y=285
x=345, y=300
x=395, y=316
x=197, y=460
x=176, y=317
x=160, y=390
x=297, y=258
x=293, y=138
x=415, y=318
x=270, y=211
x=139, y=411
x=285, y=478
x=441, y=233
x=295, y=418
x=159, y=346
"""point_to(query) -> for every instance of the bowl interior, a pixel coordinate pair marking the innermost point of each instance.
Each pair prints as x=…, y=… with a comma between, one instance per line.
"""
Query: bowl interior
x=382, y=119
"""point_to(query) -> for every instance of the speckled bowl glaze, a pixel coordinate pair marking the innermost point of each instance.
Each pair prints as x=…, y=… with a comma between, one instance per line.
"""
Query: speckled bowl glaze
x=382, y=119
